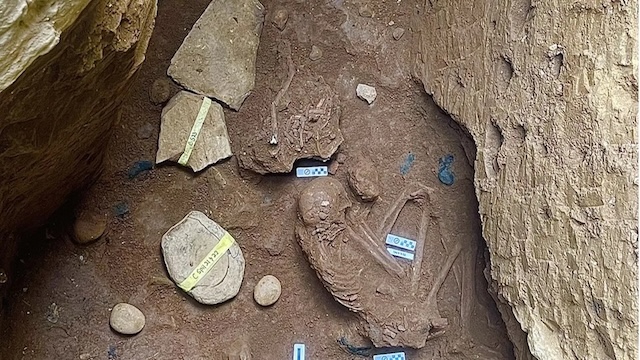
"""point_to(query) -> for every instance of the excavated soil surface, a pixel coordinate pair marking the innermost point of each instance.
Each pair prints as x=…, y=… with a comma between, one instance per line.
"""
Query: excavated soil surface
x=60, y=304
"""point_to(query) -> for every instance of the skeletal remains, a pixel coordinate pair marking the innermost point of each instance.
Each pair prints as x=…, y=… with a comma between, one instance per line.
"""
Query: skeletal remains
x=397, y=307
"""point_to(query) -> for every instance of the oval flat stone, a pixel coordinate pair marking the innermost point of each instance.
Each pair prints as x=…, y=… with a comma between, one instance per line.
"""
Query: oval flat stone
x=187, y=243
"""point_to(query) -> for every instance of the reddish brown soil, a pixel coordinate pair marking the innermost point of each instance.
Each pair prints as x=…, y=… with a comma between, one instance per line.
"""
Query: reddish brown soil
x=84, y=282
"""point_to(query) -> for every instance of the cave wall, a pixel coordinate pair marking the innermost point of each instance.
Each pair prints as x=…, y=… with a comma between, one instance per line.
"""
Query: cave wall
x=548, y=90
x=65, y=66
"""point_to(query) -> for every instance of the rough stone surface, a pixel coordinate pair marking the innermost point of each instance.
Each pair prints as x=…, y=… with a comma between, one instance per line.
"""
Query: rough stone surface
x=74, y=60
x=280, y=18
x=218, y=57
x=89, y=226
x=187, y=243
x=366, y=93
x=160, y=91
x=363, y=179
x=315, y=54
x=178, y=117
x=126, y=319
x=549, y=94
x=267, y=291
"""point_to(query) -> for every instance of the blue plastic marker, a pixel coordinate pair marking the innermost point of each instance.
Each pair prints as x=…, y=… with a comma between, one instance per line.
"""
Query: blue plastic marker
x=298, y=351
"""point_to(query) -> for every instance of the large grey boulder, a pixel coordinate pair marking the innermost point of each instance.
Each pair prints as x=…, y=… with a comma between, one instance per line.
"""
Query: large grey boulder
x=178, y=117
x=218, y=57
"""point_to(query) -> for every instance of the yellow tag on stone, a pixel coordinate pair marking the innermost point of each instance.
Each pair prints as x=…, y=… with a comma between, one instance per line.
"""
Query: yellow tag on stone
x=207, y=263
x=195, y=130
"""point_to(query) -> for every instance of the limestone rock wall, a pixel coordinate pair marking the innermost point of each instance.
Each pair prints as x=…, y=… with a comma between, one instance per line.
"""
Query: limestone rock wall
x=548, y=90
x=64, y=70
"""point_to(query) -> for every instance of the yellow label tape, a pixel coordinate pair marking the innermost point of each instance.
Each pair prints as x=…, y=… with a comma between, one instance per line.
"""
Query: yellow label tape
x=207, y=263
x=195, y=130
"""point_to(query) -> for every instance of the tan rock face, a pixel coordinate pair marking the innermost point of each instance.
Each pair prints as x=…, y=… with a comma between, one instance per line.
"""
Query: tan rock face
x=549, y=95
x=57, y=114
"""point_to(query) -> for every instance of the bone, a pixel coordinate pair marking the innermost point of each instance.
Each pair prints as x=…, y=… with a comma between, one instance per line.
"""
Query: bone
x=442, y=276
x=379, y=253
x=417, y=262
x=280, y=94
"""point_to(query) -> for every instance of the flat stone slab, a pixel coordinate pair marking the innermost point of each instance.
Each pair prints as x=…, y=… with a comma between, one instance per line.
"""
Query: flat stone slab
x=218, y=57
x=178, y=117
x=187, y=243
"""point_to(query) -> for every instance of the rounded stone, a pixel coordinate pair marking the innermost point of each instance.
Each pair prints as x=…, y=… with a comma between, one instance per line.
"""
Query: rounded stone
x=160, y=91
x=126, y=319
x=267, y=290
x=89, y=226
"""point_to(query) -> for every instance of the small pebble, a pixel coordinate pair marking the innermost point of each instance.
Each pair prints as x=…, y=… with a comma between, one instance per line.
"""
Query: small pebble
x=397, y=33
x=160, y=91
x=280, y=18
x=126, y=319
x=315, y=53
x=366, y=92
x=145, y=131
x=365, y=11
x=89, y=226
x=267, y=290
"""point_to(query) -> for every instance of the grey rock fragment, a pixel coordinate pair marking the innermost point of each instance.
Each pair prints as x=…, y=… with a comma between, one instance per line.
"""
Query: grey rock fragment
x=366, y=92
x=218, y=57
x=398, y=33
x=315, y=54
x=178, y=117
